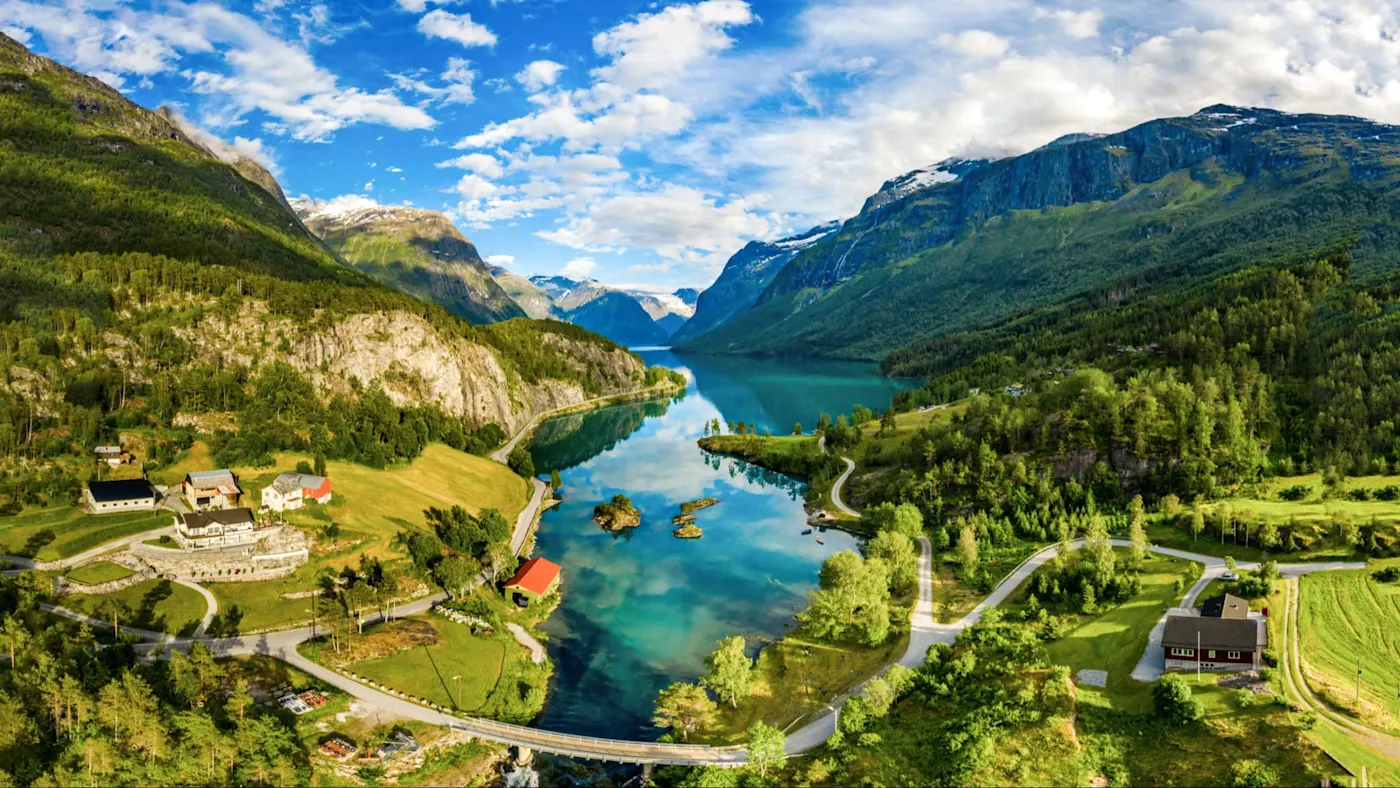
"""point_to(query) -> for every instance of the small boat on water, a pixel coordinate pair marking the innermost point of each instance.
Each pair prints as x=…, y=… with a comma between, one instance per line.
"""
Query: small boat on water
x=820, y=540
x=808, y=531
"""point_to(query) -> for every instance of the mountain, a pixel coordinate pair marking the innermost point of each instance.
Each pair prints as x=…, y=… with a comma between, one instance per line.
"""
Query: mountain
x=527, y=294
x=744, y=277
x=967, y=243
x=412, y=250
x=615, y=314
x=146, y=281
x=670, y=311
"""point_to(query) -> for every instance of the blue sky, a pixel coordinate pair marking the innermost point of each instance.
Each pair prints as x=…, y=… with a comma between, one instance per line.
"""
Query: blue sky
x=642, y=143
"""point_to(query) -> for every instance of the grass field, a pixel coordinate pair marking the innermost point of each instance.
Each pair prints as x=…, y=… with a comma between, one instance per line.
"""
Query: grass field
x=158, y=605
x=1348, y=620
x=1115, y=640
x=98, y=572
x=54, y=532
x=427, y=671
x=796, y=676
x=371, y=507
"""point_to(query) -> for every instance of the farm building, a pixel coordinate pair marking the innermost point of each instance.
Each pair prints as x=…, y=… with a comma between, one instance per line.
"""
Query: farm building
x=214, y=530
x=127, y=495
x=293, y=490
x=1213, y=643
x=205, y=490
x=114, y=456
x=536, y=579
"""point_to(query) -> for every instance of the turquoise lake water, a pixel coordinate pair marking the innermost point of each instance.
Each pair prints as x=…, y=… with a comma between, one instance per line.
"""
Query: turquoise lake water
x=642, y=609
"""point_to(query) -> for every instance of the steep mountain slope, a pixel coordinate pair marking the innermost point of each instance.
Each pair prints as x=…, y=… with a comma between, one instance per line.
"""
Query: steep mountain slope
x=145, y=279
x=416, y=251
x=967, y=243
x=670, y=311
x=527, y=294
x=613, y=313
x=744, y=277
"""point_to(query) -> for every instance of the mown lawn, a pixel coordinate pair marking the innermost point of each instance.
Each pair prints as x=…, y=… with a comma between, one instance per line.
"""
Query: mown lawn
x=428, y=671
x=1115, y=640
x=1348, y=620
x=98, y=572
x=158, y=605
x=54, y=532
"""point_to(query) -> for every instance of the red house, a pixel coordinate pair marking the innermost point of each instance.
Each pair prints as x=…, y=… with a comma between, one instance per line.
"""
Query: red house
x=535, y=580
x=1209, y=643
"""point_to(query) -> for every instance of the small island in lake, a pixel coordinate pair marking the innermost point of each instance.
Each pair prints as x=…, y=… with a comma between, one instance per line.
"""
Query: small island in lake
x=683, y=519
x=697, y=505
x=688, y=531
x=617, y=514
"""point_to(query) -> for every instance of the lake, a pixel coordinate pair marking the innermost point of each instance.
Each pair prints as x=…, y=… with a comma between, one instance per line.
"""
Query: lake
x=642, y=609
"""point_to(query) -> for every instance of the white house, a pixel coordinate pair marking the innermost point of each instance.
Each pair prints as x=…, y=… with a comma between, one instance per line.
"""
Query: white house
x=213, y=530
x=126, y=495
x=293, y=490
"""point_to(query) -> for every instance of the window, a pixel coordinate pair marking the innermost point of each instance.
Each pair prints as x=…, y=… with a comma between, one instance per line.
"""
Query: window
x=1211, y=653
x=1234, y=655
x=1183, y=652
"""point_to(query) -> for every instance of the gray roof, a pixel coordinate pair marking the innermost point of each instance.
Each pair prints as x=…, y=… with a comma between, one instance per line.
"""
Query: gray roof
x=1230, y=634
x=224, y=517
x=290, y=480
x=203, y=480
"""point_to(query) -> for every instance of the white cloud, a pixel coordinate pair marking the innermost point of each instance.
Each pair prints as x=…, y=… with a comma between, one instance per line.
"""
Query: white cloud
x=578, y=268
x=455, y=27
x=369, y=187
x=1076, y=24
x=17, y=33
x=681, y=224
x=456, y=88
x=500, y=259
x=977, y=43
x=482, y=163
x=654, y=49
x=474, y=187
x=539, y=74
x=393, y=169
x=228, y=152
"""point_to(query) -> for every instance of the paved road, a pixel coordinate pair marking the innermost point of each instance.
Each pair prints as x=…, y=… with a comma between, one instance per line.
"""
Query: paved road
x=838, y=484
x=503, y=453
x=211, y=605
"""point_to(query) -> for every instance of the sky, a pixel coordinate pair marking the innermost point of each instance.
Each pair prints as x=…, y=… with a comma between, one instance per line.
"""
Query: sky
x=643, y=143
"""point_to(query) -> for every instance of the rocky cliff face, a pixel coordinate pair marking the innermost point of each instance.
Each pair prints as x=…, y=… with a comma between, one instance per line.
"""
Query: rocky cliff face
x=744, y=277
x=415, y=251
x=965, y=242
x=412, y=361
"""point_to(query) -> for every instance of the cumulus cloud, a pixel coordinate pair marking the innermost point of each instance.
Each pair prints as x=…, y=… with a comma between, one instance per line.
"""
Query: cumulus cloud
x=1076, y=24
x=500, y=259
x=260, y=72
x=474, y=187
x=368, y=187
x=653, y=50
x=539, y=74
x=578, y=268
x=456, y=79
x=977, y=43
x=455, y=27
x=481, y=163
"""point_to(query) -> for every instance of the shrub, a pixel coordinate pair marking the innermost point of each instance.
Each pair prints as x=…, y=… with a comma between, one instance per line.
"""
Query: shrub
x=1173, y=702
x=1387, y=575
x=1266, y=674
x=1389, y=492
x=1295, y=493
x=1250, y=773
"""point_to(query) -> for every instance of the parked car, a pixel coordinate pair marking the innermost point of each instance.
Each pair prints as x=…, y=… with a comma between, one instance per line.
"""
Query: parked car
x=1230, y=576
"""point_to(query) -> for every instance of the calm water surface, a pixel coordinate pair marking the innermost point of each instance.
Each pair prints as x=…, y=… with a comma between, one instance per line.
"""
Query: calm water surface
x=642, y=609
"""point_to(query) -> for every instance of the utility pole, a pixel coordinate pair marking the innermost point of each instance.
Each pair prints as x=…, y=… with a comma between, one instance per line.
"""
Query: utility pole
x=1198, y=656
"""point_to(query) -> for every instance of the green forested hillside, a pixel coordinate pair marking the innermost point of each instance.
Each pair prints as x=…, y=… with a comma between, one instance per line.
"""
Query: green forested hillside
x=1187, y=195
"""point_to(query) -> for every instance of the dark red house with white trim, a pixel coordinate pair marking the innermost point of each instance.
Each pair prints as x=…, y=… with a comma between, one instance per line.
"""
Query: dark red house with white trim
x=1221, y=644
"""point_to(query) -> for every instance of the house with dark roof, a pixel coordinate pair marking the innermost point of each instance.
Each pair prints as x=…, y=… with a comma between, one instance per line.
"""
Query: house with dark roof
x=126, y=495
x=536, y=579
x=1225, y=606
x=205, y=490
x=1210, y=643
x=215, y=530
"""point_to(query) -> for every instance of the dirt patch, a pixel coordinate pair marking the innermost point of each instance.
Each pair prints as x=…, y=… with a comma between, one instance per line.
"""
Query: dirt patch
x=1248, y=679
x=386, y=641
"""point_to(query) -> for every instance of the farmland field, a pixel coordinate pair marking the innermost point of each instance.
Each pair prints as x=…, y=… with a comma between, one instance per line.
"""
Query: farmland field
x=1348, y=620
x=53, y=532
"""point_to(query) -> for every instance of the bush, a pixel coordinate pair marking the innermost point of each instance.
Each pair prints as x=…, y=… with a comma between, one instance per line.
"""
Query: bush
x=521, y=462
x=1250, y=773
x=1270, y=657
x=1387, y=575
x=1389, y=492
x=1359, y=494
x=1295, y=493
x=1266, y=674
x=1173, y=702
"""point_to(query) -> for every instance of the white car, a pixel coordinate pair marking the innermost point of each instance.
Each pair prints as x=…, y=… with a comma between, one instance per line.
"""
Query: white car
x=1231, y=576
